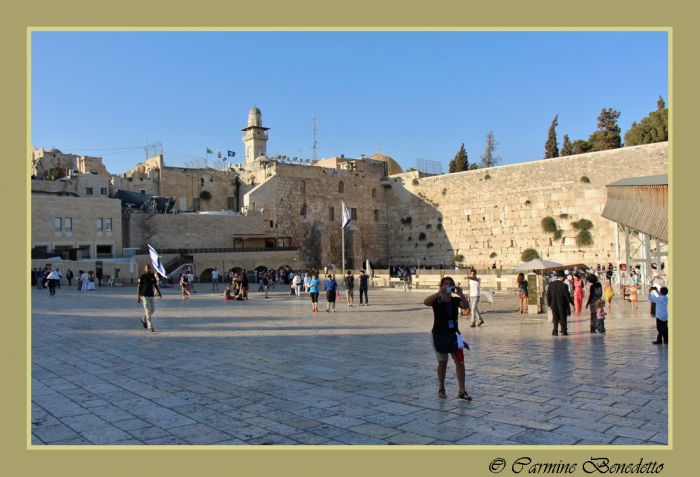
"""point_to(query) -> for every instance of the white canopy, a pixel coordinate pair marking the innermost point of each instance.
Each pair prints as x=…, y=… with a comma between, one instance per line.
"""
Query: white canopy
x=538, y=264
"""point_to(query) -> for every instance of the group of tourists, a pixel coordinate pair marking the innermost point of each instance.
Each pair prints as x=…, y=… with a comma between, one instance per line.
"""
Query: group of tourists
x=51, y=279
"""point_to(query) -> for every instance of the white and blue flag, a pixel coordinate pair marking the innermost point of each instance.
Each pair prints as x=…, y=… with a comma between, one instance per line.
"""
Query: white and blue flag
x=346, y=217
x=231, y=153
x=155, y=259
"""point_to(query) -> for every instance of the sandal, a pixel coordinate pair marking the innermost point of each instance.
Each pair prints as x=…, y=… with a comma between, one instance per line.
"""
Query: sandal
x=464, y=396
x=441, y=393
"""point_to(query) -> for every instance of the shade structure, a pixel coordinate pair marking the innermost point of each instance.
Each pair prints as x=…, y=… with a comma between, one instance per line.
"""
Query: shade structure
x=538, y=264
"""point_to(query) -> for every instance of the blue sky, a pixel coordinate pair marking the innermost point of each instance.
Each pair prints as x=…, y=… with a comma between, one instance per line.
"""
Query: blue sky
x=418, y=94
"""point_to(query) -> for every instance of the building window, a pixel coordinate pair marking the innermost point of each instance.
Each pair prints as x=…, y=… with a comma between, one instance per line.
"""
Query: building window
x=331, y=213
x=231, y=203
x=58, y=224
x=376, y=215
x=88, y=191
x=303, y=186
x=353, y=214
x=272, y=224
x=201, y=182
x=103, y=191
x=374, y=193
x=195, y=204
x=104, y=251
x=143, y=191
x=69, y=224
x=303, y=210
x=341, y=187
x=108, y=225
x=99, y=225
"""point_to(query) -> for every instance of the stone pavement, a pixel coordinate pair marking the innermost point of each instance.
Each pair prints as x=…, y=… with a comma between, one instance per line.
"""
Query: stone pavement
x=271, y=372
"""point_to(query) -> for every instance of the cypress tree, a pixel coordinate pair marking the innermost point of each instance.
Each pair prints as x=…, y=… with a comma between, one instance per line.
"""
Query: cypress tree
x=608, y=134
x=551, y=148
x=460, y=162
x=488, y=159
x=567, y=148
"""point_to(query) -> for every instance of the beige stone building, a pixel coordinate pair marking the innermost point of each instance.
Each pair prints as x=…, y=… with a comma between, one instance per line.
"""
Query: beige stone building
x=77, y=228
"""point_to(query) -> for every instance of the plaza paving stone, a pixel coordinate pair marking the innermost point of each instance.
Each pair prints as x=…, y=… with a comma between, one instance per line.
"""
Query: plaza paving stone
x=271, y=372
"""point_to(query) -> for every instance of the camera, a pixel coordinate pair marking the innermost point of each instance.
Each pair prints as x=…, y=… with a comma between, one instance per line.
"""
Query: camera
x=450, y=289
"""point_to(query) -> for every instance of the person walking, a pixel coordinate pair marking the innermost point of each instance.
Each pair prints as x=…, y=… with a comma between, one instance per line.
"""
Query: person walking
x=313, y=291
x=331, y=293
x=594, y=294
x=474, y=295
x=185, y=286
x=608, y=292
x=215, y=279
x=266, y=284
x=579, y=293
x=364, y=283
x=51, y=280
x=559, y=301
x=522, y=287
x=349, y=283
x=661, y=302
x=145, y=293
x=445, y=325
x=297, y=285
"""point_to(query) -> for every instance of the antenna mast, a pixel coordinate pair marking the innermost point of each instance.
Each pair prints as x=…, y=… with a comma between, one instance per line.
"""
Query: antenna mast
x=315, y=124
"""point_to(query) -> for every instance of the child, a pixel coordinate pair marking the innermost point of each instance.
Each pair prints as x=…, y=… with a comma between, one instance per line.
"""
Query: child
x=661, y=314
x=600, y=311
x=227, y=294
x=185, y=284
x=633, y=295
x=608, y=292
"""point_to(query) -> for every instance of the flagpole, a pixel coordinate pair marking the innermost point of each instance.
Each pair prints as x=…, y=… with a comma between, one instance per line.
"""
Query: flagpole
x=342, y=236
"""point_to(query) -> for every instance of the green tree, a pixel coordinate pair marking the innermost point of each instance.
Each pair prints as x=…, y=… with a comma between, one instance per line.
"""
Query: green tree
x=580, y=147
x=567, y=148
x=608, y=134
x=551, y=148
x=460, y=162
x=487, y=158
x=473, y=167
x=653, y=128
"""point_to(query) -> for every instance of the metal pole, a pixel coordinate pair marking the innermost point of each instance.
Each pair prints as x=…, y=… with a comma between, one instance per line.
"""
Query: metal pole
x=342, y=240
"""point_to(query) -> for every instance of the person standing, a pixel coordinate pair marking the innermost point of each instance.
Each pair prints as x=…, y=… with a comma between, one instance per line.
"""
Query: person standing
x=560, y=301
x=349, y=282
x=364, y=283
x=445, y=323
x=145, y=293
x=522, y=287
x=215, y=279
x=578, y=293
x=661, y=313
x=69, y=277
x=84, y=281
x=60, y=275
x=608, y=292
x=313, y=291
x=331, y=291
x=99, y=274
x=595, y=293
x=190, y=279
x=266, y=284
x=474, y=295
x=245, y=285
x=404, y=277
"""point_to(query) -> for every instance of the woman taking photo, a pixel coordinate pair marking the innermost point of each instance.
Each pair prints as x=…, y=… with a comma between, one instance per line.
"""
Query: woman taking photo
x=578, y=292
x=445, y=316
x=522, y=286
x=595, y=294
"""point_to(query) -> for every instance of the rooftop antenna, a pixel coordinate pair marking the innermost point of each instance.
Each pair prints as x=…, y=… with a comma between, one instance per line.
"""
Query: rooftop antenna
x=315, y=124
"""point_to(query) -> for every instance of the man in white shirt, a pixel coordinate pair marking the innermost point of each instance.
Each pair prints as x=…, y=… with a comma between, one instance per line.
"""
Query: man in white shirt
x=215, y=279
x=474, y=294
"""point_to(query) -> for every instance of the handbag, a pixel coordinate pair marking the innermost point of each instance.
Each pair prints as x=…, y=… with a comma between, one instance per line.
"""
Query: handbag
x=550, y=316
x=445, y=343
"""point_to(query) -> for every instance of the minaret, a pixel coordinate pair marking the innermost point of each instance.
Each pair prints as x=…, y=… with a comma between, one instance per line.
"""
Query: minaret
x=255, y=136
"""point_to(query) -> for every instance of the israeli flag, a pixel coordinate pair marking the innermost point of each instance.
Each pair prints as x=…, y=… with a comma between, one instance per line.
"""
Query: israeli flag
x=231, y=153
x=335, y=173
x=155, y=260
x=346, y=217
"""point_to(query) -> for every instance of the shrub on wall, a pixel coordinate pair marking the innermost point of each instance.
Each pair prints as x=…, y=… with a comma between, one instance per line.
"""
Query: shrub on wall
x=439, y=226
x=429, y=226
x=457, y=258
x=493, y=255
x=558, y=234
x=421, y=236
x=415, y=182
x=583, y=227
x=549, y=225
x=563, y=216
x=529, y=254
x=430, y=244
x=205, y=195
x=585, y=179
x=406, y=221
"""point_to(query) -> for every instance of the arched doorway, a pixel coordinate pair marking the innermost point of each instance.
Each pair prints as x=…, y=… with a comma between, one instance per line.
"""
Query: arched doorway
x=205, y=276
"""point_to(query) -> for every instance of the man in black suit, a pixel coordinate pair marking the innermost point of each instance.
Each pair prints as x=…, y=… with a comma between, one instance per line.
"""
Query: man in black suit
x=560, y=301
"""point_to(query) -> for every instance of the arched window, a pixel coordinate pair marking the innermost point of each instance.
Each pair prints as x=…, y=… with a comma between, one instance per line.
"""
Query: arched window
x=201, y=182
x=341, y=187
x=303, y=186
x=374, y=193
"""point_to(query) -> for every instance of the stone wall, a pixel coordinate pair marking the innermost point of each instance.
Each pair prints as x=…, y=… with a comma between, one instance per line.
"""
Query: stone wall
x=291, y=187
x=191, y=230
x=499, y=210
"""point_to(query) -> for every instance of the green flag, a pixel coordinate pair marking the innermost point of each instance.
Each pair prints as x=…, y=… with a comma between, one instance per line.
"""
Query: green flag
x=209, y=151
